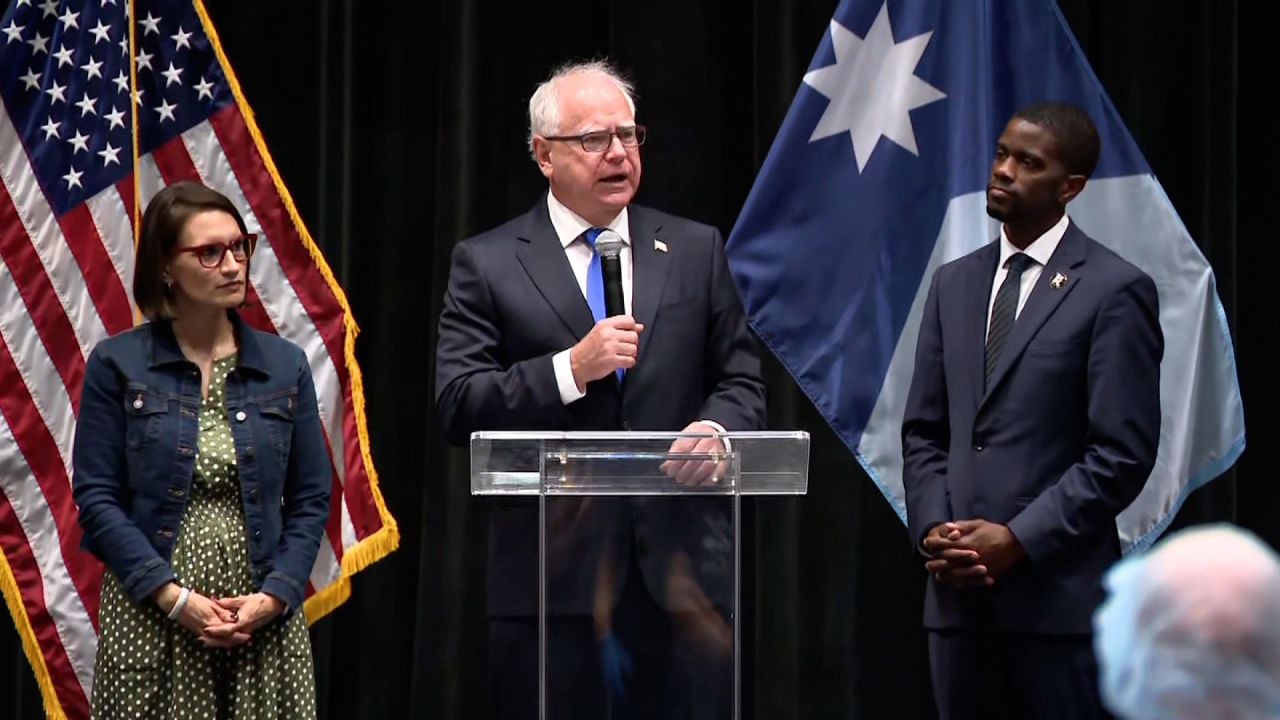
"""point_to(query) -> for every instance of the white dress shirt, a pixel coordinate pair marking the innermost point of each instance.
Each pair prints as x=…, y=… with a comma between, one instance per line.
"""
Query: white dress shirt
x=1040, y=250
x=569, y=227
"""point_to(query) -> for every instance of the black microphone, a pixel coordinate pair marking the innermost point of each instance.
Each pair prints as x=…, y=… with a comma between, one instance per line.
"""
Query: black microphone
x=609, y=246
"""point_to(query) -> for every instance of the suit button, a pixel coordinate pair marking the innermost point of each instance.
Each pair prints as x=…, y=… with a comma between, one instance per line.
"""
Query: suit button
x=978, y=445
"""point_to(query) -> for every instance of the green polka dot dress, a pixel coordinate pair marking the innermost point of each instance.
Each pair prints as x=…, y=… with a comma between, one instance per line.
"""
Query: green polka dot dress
x=149, y=666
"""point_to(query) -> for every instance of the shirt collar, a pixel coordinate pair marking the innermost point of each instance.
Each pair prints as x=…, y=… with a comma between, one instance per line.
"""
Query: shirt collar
x=569, y=225
x=165, y=349
x=1040, y=249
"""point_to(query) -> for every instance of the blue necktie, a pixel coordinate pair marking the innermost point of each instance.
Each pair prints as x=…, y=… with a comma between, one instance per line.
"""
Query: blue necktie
x=595, y=276
x=595, y=281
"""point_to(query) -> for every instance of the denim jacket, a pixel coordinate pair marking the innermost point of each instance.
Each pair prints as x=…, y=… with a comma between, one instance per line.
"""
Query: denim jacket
x=135, y=449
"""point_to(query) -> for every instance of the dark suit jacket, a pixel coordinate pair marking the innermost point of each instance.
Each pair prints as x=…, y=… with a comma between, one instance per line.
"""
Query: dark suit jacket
x=513, y=302
x=1058, y=445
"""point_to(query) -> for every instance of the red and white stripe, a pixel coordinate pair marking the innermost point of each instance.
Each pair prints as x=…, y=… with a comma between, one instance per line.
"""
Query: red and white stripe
x=59, y=296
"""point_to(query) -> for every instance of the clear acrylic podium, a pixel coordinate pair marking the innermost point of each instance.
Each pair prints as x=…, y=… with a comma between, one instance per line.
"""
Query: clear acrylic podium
x=637, y=538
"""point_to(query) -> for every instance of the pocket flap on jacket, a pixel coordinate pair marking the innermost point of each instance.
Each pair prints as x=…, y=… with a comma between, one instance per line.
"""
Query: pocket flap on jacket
x=281, y=406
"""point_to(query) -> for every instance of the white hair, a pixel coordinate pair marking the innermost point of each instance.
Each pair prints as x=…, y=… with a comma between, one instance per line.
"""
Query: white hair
x=544, y=105
x=1192, y=629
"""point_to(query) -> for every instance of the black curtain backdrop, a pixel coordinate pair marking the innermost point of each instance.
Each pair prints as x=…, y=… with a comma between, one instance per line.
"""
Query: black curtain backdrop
x=399, y=128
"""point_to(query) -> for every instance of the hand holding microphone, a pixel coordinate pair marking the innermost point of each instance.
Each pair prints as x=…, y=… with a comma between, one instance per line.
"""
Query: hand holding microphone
x=613, y=342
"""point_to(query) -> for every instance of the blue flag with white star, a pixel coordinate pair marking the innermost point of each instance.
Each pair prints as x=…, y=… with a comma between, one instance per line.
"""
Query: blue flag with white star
x=878, y=176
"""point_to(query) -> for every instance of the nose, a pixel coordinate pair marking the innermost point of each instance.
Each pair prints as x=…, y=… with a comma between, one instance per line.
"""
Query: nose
x=230, y=266
x=1003, y=169
x=616, y=149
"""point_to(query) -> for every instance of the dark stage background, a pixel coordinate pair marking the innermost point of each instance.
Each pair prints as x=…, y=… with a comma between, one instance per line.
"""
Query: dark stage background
x=399, y=128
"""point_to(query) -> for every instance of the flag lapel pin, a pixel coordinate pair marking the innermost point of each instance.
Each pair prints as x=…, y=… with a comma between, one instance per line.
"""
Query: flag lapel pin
x=659, y=246
x=1058, y=281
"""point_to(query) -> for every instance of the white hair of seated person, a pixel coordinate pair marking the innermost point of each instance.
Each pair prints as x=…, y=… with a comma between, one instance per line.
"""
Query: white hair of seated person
x=1192, y=629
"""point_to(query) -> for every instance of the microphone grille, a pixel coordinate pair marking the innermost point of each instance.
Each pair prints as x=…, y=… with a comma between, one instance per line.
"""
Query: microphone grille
x=609, y=244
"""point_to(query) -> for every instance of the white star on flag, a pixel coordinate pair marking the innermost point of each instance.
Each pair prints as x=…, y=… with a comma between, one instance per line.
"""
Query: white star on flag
x=109, y=154
x=86, y=106
x=69, y=19
x=165, y=110
x=80, y=142
x=55, y=92
x=172, y=75
x=872, y=88
x=50, y=129
x=92, y=69
x=14, y=31
x=39, y=44
x=64, y=56
x=204, y=89
x=150, y=25
x=73, y=178
x=182, y=39
x=115, y=117
x=101, y=33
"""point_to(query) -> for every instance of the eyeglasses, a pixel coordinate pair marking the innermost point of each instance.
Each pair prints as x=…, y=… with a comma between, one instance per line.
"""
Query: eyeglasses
x=599, y=140
x=211, y=255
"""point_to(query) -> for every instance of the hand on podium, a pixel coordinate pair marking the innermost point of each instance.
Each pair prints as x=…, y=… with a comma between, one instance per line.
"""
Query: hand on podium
x=697, y=472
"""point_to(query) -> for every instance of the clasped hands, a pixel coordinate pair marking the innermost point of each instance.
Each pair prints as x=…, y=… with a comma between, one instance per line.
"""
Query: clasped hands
x=220, y=622
x=612, y=344
x=971, y=553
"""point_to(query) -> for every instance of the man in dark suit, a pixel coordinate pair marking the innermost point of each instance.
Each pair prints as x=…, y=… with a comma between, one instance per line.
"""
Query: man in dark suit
x=1032, y=421
x=524, y=344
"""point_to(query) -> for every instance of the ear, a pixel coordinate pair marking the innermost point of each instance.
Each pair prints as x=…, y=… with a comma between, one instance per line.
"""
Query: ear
x=1071, y=187
x=542, y=155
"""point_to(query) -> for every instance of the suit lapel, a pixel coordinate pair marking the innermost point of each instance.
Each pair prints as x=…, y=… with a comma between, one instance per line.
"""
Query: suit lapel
x=544, y=260
x=977, y=298
x=1044, y=299
x=649, y=268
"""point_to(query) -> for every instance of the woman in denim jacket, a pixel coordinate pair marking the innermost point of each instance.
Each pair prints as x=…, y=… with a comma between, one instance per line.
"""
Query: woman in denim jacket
x=202, y=480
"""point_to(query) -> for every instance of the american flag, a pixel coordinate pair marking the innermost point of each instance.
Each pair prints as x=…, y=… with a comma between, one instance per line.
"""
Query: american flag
x=73, y=180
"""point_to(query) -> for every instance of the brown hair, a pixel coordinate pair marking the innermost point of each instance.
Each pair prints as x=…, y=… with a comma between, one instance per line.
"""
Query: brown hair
x=162, y=224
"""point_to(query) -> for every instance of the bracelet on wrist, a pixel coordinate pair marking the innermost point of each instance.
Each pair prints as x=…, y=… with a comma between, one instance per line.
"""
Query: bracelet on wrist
x=181, y=603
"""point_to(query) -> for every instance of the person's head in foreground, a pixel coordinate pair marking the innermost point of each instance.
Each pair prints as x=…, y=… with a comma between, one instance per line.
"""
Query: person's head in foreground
x=1192, y=629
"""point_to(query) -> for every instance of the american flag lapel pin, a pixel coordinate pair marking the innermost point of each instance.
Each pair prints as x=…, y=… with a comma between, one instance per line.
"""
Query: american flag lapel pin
x=659, y=246
x=1058, y=281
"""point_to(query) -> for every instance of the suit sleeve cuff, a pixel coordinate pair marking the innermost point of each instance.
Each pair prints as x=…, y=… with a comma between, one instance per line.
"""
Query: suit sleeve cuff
x=564, y=378
x=1036, y=545
x=284, y=588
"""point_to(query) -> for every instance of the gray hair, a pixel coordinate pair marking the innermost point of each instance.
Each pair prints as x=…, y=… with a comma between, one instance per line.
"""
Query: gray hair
x=1192, y=629
x=544, y=105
